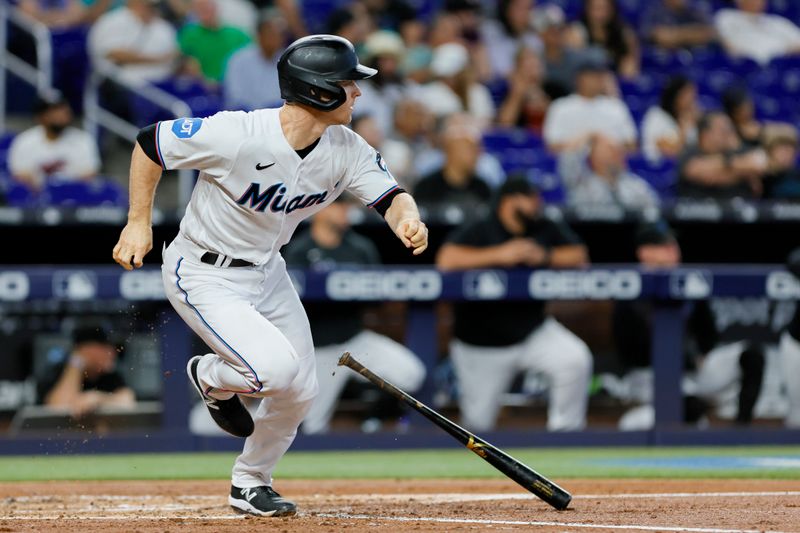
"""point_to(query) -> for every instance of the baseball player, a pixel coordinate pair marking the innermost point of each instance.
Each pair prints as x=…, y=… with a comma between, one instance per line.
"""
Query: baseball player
x=261, y=173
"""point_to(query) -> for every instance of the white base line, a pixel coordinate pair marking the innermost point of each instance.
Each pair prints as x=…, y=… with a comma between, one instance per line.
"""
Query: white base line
x=538, y=523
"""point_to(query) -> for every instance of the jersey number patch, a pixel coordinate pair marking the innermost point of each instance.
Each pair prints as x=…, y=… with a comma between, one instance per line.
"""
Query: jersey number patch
x=185, y=128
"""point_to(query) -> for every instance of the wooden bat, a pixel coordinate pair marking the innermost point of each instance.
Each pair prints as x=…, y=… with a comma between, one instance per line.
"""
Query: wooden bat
x=519, y=472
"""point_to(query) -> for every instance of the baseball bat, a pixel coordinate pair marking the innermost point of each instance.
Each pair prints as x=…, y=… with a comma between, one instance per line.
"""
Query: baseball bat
x=527, y=478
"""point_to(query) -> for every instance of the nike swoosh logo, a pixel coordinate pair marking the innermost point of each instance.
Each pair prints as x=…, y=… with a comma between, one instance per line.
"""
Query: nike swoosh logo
x=259, y=166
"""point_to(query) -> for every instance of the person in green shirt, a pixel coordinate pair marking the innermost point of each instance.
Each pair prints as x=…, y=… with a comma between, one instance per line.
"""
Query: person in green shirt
x=208, y=41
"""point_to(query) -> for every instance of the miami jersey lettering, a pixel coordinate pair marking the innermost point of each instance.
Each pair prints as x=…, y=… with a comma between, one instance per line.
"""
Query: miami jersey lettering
x=254, y=187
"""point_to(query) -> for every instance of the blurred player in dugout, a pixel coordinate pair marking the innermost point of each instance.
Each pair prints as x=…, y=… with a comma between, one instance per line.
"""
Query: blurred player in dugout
x=337, y=327
x=495, y=341
x=87, y=379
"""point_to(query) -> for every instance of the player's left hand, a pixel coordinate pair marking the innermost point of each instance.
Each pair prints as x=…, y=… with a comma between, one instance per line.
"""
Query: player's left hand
x=413, y=233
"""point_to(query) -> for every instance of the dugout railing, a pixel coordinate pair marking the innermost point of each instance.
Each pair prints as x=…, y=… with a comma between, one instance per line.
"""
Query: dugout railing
x=421, y=288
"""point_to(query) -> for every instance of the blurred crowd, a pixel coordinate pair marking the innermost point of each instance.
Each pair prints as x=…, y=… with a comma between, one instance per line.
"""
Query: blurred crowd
x=620, y=102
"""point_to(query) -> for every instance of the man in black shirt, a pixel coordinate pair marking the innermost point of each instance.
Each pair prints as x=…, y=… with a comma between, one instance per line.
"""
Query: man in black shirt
x=456, y=183
x=337, y=327
x=494, y=341
x=88, y=378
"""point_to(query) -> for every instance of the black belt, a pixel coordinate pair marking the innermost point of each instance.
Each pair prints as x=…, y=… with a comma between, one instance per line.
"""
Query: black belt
x=211, y=258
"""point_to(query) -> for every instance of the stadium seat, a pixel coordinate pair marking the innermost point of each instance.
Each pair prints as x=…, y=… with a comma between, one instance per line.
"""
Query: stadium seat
x=661, y=176
x=98, y=193
x=194, y=93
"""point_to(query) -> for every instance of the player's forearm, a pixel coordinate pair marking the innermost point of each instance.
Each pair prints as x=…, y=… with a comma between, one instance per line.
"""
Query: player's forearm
x=67, y=389
x=144, y=178
x=123, y=397
x=403, y=208
x=569, y=256
x=460, y=257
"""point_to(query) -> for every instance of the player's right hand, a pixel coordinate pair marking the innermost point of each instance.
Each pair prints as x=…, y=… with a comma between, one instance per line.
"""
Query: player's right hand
x=134, y=243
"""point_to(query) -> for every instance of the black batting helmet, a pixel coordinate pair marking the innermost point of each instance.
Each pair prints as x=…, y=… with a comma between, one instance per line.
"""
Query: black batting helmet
x=310, y=67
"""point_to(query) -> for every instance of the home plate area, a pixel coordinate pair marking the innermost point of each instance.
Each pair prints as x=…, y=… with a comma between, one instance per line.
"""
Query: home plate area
x=710, y=506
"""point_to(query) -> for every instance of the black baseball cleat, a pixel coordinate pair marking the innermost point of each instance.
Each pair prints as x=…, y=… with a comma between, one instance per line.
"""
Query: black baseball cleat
x=260, y=501
x=230, y=415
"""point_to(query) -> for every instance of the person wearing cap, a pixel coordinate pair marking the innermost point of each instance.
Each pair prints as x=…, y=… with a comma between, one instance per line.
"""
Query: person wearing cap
x=54, y=149
x=782, y=180
x=135, y=39
x=495, y=341
x=454, y=88
x=251, y=76
x=384, y=51
x=607, y=180
x=572, y=121
x=87, y=378
x=560, y=60
x=338, y=327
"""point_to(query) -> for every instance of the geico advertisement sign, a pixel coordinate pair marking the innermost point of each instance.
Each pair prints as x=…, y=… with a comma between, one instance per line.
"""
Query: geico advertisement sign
x=782, y=286
x=14, y=286
x=590, y=285
x=384, y=285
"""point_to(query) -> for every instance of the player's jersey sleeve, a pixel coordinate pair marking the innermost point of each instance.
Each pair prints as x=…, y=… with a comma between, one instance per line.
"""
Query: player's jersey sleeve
x=369, y=179
x=208, y=144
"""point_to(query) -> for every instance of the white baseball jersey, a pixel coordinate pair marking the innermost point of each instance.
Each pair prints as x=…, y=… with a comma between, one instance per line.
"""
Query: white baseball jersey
x=254, y=189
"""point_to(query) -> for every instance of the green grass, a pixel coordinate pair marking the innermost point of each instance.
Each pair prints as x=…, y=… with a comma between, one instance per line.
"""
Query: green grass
x=453, y=463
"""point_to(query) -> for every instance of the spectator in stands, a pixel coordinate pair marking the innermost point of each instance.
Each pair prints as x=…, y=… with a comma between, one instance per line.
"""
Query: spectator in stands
x=782, y=181
x=789, y=350
x=410, y=136
x=87, y=379
x=494, y=341
x=57, y=15
x=739, y=106
x=507, y=32
x=292, y=11
x=53, y=149
x=209, y=42
x=672, y=125
x=456, y=182
x=251, y=77
x=674, y=24
x=338, y=327
x=608, y=181
x=135, y=39
x=560, y=59
x=526, y=102
x=469, y=18
x=719, y=167
x=398, y=152
x=601, y=25
x=351, y=22
x=571, y=121
x=454, y=88
x=390, y=14
x=383, y=50
x=748, y=31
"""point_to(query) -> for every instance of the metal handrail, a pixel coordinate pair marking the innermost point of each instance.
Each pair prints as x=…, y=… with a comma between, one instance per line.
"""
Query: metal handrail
x=40, y=76
x=95, y=116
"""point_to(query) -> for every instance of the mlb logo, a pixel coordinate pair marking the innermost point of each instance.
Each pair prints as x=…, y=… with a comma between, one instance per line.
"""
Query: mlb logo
x=485, y=285
x=79, y=285
x=691, y=284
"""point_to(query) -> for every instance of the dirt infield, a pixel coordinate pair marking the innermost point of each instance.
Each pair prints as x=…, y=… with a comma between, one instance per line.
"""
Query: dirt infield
x=719, y=506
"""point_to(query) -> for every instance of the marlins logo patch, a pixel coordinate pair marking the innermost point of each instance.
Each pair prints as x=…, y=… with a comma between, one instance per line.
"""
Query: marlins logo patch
x=185, y=128
x=380, y=162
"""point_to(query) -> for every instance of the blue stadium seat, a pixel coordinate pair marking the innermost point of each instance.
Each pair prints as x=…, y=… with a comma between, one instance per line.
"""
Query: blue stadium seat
x=202, y=102
x=70, y=64
x=661, y=176
x=97, y=193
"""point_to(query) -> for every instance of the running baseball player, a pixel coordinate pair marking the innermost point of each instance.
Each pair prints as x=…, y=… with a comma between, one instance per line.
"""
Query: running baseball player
x=261, y=173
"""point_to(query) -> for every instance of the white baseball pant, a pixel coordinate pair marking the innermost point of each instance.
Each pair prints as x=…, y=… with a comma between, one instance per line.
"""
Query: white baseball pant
x=256, y=327
x=790, y=365
x=485, y=373
x=387, y=358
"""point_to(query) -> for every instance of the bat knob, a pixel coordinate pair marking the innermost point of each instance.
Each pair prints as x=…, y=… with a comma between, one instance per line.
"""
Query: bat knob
x=343, y=360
